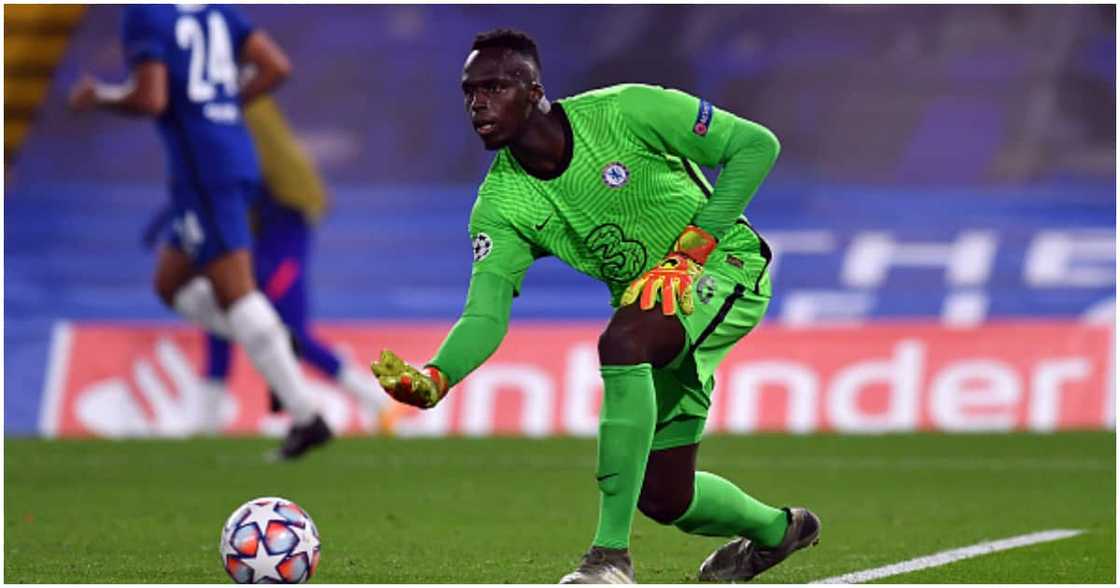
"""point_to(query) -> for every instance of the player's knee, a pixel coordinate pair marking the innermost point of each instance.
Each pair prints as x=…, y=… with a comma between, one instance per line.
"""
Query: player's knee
x=165, y=289
x=621, y=346
x=661, y=508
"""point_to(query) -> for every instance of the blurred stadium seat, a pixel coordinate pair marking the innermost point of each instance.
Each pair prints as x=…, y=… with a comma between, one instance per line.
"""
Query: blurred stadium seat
x=35, y=36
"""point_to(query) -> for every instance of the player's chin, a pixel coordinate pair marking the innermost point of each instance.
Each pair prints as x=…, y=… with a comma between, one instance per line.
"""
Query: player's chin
x=493, y=143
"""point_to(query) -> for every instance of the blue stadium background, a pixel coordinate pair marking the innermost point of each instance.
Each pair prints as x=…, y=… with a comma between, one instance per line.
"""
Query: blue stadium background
x=921, y=121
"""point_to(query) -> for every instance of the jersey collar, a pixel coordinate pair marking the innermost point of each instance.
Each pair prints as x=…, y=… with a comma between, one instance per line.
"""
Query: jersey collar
x=569, y=145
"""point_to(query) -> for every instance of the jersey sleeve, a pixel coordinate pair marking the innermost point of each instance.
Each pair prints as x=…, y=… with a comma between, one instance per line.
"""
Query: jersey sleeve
x=140, y=37
x=239, y=26
x=675, y=123
x=497, y=246
x=501, y=258
x=479, y=330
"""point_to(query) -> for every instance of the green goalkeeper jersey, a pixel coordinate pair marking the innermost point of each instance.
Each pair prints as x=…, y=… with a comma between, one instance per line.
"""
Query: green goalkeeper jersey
x=628, y=189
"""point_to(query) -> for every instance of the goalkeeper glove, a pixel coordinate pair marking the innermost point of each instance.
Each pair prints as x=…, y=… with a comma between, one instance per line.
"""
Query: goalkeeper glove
x=673, y=277
x=423, y=389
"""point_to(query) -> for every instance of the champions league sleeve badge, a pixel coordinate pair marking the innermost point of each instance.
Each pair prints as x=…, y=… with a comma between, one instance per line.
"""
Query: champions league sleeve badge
x=482, y=246
x=703, y=118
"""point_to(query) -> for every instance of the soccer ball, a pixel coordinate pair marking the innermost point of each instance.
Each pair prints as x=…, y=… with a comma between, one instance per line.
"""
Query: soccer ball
x=269, y=540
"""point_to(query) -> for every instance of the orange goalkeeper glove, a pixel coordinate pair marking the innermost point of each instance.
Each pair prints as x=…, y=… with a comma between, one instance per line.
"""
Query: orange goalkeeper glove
x=673, y=277
x=423, y=389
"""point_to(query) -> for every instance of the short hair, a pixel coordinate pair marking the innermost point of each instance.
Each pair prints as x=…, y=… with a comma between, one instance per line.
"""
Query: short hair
x=509, y=39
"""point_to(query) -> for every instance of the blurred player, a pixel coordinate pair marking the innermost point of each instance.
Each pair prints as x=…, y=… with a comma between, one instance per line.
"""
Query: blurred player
x=183, y=62
x=605, y=182
x=283, y=223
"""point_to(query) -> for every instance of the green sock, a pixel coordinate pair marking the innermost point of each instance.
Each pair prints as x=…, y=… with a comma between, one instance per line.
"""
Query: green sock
x=626, y=423
x=720, y=509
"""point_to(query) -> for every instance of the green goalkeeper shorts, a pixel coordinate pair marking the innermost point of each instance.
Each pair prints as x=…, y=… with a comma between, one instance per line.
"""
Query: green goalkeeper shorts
x=730, y=298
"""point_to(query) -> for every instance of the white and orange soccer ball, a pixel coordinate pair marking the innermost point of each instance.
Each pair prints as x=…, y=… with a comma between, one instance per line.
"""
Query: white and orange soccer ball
x=272, y=540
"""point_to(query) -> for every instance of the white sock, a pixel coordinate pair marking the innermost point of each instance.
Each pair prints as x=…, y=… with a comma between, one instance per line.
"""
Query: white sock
x=211, y=395
x=258, y=329
x=196, y=301
x=362, y=386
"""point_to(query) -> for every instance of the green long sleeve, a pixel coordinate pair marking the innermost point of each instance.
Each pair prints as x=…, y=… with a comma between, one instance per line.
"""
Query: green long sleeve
x=677, y=124
x=751, y=152
x=479, y=330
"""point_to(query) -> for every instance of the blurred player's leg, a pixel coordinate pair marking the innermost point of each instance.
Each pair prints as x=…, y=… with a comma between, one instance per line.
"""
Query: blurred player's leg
x=281, y=253
x=219, y=352
x=257, y=327
x=212, y=227
x=296, y=198
x=254, y=324
x=372, y=401
x=191, y=295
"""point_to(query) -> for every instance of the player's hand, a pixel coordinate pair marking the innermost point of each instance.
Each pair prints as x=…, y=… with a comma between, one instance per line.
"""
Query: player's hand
x=82, y=97
x=423, y=389
x=672, y=278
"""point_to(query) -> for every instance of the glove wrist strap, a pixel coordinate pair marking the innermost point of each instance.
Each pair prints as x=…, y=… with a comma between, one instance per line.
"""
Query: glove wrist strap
x=696, y=243
x=438, y=378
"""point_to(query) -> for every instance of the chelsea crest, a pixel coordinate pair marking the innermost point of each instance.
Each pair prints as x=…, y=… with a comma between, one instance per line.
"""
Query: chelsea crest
x=615, y=175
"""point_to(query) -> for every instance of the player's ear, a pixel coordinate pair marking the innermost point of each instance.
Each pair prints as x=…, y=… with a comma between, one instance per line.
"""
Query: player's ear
x=537, y=97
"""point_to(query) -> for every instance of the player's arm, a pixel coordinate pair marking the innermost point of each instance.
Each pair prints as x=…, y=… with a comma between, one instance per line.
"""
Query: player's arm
x=146, y=91
x=501, y=258
x=672, y=122
x=144, y=94
x=473, y=339
x=669, y=121
x=266, y=63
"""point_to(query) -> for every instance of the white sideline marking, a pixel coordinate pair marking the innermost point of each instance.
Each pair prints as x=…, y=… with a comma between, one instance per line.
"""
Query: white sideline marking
x=947, y=557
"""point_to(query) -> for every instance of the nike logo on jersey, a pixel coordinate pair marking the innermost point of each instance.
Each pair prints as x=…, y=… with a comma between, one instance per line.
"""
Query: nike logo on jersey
x=601, y=478
x=543, y=223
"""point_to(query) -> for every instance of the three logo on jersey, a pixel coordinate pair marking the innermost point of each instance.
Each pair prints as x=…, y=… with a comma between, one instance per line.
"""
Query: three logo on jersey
x=621, y=259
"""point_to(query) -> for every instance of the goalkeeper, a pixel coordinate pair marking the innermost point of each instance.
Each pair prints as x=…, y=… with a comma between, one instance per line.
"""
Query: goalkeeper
x=606, y=182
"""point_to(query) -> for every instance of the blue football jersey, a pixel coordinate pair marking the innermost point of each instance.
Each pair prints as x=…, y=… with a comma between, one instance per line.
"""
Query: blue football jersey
x=206, y=141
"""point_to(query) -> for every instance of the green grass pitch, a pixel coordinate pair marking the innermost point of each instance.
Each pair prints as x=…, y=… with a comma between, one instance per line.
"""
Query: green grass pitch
x=522, y=511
